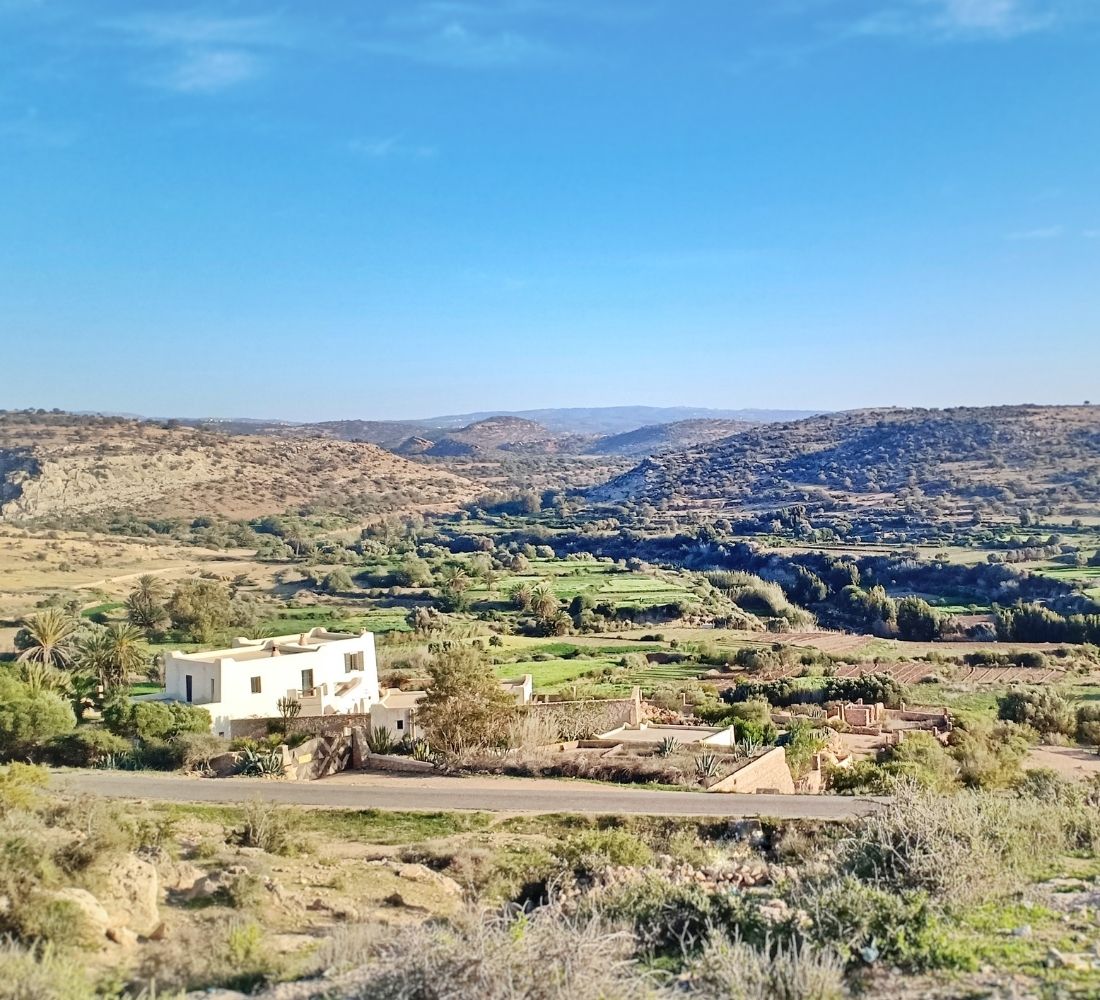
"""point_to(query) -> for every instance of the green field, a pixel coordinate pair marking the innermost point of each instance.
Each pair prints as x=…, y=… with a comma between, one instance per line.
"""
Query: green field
x=553, y=675
x=601, y=581
x=1087, y=577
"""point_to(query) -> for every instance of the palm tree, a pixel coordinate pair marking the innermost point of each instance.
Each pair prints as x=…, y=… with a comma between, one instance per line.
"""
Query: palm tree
x=126, y=655
x=544, y=602
x=47, y=638
x=521, y=596
x=93, y=656
x=150, y=588
x=41, y=677
x=454, y=579
x=145, y=604
x=113, y=654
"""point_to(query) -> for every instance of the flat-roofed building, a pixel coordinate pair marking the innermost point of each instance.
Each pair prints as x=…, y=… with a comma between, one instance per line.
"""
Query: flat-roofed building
x=329, y=673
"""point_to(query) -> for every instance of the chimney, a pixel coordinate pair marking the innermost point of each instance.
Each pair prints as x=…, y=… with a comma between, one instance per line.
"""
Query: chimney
x=302, y=639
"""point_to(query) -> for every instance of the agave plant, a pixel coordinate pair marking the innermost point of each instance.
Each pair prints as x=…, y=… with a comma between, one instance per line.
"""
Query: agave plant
x=422, y=751
x=668, y=746
x=380, y=740
x=707, y=767
x=262, y=763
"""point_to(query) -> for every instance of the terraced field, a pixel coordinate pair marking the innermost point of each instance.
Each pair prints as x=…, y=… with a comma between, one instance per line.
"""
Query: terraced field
x=601, y=581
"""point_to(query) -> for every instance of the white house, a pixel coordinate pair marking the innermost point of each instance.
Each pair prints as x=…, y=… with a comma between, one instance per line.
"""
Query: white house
x=330, y=673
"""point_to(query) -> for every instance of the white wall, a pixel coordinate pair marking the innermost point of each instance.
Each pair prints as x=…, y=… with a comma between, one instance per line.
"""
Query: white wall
x=231, y=696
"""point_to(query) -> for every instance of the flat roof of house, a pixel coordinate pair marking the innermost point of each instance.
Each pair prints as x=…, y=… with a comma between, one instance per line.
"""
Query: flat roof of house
x=244, y=649
x=396, y=698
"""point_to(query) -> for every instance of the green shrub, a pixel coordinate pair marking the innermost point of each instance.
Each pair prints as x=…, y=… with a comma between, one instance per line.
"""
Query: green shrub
x=595, y=849
x=1043, y=709
x=868, y=924
x=86, y=746
x=30, y=718
x=41, y=972
x=266, y=826
x=734, y=970
x=19, y=786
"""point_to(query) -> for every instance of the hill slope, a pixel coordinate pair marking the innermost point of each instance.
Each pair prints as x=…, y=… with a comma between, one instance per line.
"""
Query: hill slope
x=1008, y=452
x=599, y=420
x=65, y=465
x=676, y=436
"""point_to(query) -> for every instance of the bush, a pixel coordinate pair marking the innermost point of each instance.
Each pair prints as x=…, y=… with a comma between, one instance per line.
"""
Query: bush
x=595, y=849
x=150, y=721
x=541, y=956
x=196, y=749
x=1088, y=724
x=1044, y=710
x=734, y=970
x=88, y=746
x=964, y=848
x=30, y=718
x=266, y=826
x=41, y=973
x=866, y=923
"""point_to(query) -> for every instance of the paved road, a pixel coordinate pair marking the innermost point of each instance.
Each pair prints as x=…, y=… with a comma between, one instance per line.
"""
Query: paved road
x=506, y=795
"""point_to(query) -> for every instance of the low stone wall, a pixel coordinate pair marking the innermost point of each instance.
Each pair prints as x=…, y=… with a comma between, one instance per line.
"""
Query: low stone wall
x=396, y=763
x=582, y=720
x=767, y=773
x=319, y=725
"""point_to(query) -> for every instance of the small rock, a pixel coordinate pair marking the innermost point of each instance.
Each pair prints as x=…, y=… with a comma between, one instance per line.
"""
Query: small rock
x=122, y=936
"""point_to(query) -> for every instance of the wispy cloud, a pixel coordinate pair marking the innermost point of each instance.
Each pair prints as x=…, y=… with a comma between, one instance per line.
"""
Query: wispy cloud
x=1091, y=234
x=1035, y=235
x=197, y=53
x=459, y=45
x=962, y=20
x=390, y=146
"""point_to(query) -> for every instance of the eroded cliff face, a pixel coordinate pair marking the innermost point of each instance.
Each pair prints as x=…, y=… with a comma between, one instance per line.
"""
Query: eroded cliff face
x=18, y=467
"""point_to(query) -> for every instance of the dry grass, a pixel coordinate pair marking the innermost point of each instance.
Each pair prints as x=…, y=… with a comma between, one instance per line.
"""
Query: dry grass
x=89, y=466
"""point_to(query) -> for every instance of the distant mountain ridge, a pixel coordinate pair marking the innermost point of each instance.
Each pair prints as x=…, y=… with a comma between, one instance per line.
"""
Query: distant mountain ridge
x=1004, y=452
x=602, y=420
x=657, y=438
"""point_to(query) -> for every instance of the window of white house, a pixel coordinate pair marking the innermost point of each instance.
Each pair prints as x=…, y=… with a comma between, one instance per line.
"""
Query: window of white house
x=256, y=685
x=400, y=724
x=307, y=680
x=353, y=662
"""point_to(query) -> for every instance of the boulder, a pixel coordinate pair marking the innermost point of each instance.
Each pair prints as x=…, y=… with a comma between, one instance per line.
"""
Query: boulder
x=214, y=882
x=93, y=912
x=129, y=891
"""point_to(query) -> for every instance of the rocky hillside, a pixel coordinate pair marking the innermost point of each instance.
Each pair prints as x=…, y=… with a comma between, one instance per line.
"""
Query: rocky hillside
x=657, y=438
x=64, y=465
x=494, y=434
x=1005, y=453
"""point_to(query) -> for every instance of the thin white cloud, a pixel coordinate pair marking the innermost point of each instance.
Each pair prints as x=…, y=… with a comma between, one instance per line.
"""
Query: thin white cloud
x=456, y=45
x=1091, y=234
x=390, y=146
x=967, y=20
x=198, y=53
x=1036, y=235
x=209, y=71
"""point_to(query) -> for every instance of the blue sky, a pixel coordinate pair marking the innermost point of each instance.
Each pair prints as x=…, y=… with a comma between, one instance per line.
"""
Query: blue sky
x=370, y=209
